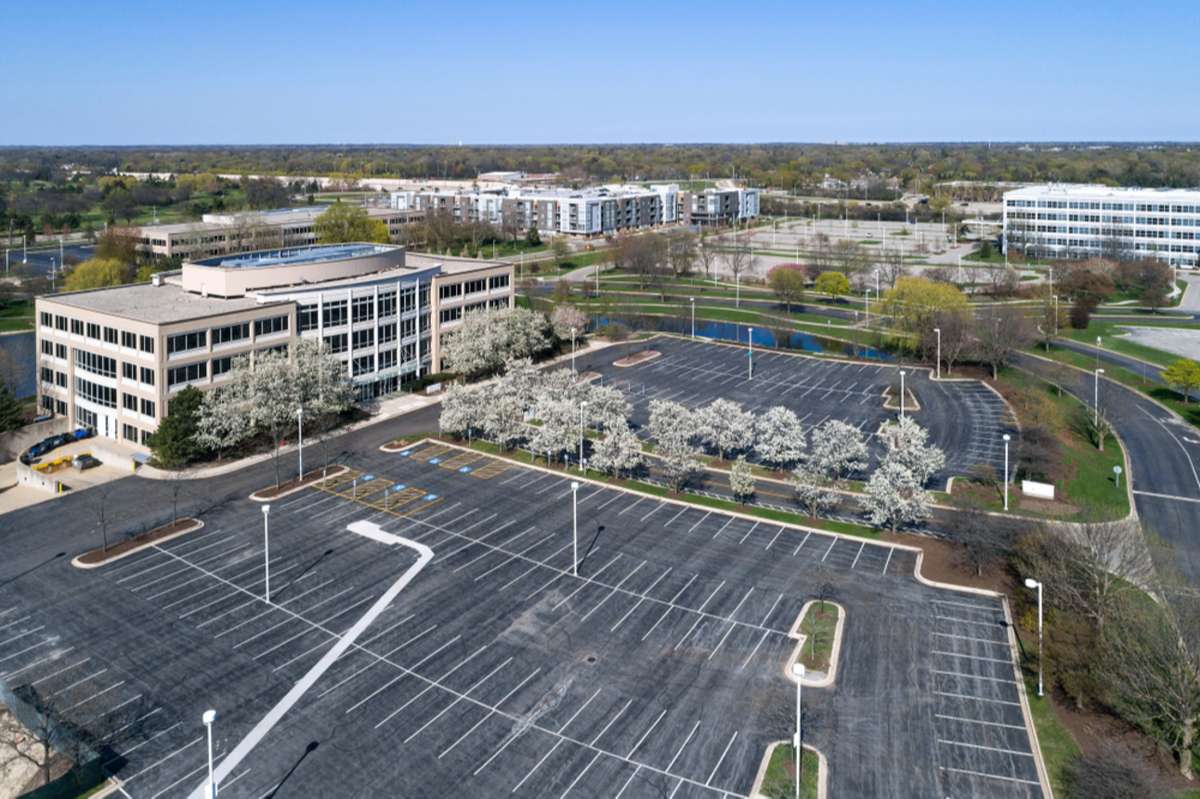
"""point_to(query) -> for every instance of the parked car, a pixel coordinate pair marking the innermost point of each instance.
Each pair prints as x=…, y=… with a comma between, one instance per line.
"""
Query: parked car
x=85, y=461
x=51, y=442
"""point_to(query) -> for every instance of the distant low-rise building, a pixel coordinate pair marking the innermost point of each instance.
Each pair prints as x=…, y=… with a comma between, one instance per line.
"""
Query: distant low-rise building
x=112, y=358
x=1081, y=221
x=242, y=231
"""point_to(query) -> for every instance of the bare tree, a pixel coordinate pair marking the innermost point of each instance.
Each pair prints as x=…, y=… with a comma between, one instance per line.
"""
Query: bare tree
x=999, y=332
x=29, y=744
x=984, y=542
x=739, y=258
x=707, y=255
x=891, y=267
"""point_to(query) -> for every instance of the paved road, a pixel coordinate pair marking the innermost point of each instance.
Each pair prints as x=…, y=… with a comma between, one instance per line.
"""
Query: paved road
x=1151, y=373
x=1164, y=455
x=1191, y=298
x=42, y=260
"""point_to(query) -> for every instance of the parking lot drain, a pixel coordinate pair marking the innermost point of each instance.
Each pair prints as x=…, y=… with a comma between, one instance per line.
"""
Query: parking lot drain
x=590, y=658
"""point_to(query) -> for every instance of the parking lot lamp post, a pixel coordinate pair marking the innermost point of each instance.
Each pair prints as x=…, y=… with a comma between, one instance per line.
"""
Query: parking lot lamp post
x=266, y=509
x=208, y=718
x=1032, y=584
x=938, y=330
x=749, y=353
x=798, y=673
x=1006, y=440
x=876, y=282
x=575, y=527
x=572, y=349
x=1096, y=399
x=582, y=407
x=902, y=373
x=1098, y=351
x=300, y=437
x=692, y=300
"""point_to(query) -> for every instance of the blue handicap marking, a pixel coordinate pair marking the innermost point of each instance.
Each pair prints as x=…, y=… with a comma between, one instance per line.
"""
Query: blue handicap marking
x=367, y=477
x=430, y=497
x=464, y=469
x=398, y=487
x=435, y=460
x=405, y=453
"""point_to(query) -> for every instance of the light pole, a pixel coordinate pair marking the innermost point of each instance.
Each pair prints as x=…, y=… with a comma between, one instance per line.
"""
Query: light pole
x=575, y=527
x=572, y=349
x=1007, y=437
x=902, y=373
x=1032, y=583
x=300, y=437
x=266, y=509
x=693, y=302
x=208, y=718
x=582, y=407
x=798, y=673
x=1096, y=399
x=867, y=296
x=938, y=330
x=1098, y=351
x=750, y=353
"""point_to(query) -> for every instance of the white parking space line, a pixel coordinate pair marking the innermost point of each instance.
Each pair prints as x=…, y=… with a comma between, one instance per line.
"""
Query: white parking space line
x=138, y=720
x=976, y=698
x=387, y=654
x=646, y=734
x=489, y=551
x=457, y=699
x=699, y=615
x=513, y=557
x=611, y=592
x=979, y=721
x=536, y=765
x=700, y=522
x=474, y=541
x=858, y=554
x=490, y=713
x=774, y=538
x=621, y=792
x=832, y=543
x=630, y=507
x=616, y=495
x=435, y=683
x=15, y=622
x=670, y=606
x=641, y=600
x=970, y=638
x=728, y=522
x=731, y=626
x=654, y=510
x=19, y=636
x=41, y=643
x=891, y=550
x=974, y=676
x=683, y=746
x=971, y=657
x=536, y=565
x=801, y=544
x=682, y=511
x=989, y=776
x=584, y=583
x=579, y=776
x=722, y=759
x=401, y=675
x=748, y=532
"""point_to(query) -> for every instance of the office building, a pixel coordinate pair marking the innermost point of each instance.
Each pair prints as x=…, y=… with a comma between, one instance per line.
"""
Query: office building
x=1081, y=221
x=244, y=231
x=112, y=358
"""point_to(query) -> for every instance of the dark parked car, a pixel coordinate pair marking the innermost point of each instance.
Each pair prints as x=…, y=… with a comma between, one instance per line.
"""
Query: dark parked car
x=84, y=461
x=52, y=442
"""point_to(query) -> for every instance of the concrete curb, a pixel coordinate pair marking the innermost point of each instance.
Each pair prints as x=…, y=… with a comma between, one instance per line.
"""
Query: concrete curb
x=829, y=677
x=78, y=564
x=822, y=770
x=336, y=469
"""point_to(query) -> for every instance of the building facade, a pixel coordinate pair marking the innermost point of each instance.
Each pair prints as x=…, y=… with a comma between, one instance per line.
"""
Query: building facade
x=112, y=358
x=246, y=231
x=1081, y=221
x=594, y=211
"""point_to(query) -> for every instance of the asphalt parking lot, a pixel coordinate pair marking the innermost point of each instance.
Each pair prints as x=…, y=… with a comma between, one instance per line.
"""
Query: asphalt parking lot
x=658, y=671
x=965, y=418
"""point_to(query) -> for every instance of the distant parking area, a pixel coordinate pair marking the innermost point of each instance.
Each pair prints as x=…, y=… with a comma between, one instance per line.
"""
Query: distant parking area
x=965, y=418
x=657, y=671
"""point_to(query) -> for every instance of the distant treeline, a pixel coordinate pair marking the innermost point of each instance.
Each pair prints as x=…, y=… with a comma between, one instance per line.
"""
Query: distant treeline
x=917, y=166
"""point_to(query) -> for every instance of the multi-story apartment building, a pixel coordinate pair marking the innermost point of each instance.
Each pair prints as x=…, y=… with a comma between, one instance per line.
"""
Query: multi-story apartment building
x=112, y=358
x=594, y=211
x=1080, y=221
x=243, y=231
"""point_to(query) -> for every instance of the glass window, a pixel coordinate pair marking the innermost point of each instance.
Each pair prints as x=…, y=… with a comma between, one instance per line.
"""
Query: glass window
x=224, y=335
x=364, y=309
x=334, y=313
x=307, y=317
x=183, y=342
x=266, y=327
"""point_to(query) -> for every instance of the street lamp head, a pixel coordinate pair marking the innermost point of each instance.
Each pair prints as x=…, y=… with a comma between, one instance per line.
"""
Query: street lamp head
x=574, y=485
x=1100, y=371
x=266, y=509
x=1031, y=583
x=1007, y=438
x=798, y=669
x=209, y=717
x=937, y=330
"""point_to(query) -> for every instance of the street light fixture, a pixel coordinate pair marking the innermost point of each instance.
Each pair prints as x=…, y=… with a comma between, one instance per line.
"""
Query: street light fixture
x=1034, y=584
x=208, y=718
x=750, y=353
x=902, y=373
x=572, y=349
x=266, y=509
x=692, y=300
x=1096, y=399
x=300, y=437
x=938, y=330
x=1007, y=437
x=575, y=527
x=582, y=407
x=798, y=673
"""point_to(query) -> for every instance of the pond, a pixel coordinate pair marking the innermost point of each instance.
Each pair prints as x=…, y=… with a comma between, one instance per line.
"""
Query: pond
x=783, y=339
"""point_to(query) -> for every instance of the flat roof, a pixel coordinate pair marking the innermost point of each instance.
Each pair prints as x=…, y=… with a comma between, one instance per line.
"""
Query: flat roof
x=1098, y=190
x=294, y=256
x=450, y=264
x=146, y=302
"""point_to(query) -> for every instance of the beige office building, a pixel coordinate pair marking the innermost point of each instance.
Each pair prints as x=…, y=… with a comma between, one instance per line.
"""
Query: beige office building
x=112, y=358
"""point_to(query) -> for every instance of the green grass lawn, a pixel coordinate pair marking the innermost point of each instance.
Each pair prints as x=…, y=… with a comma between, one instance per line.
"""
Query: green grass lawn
x=1112, y=339
x=1057, y=745
x=780, y=780
x=819, y=624
x=16, y=315
x=1087, y=482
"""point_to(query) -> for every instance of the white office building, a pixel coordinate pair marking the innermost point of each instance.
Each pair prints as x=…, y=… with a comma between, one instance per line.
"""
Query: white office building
x=1082, y=221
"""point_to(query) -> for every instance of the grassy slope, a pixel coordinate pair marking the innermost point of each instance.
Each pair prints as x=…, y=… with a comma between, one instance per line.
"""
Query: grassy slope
x=779, y=781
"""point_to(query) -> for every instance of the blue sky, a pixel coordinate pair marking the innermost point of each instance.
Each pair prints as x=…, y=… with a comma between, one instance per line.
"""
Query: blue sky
x=540, y=72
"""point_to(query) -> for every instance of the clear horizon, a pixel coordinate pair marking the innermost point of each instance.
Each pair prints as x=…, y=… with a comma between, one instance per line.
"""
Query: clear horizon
x=535, y=73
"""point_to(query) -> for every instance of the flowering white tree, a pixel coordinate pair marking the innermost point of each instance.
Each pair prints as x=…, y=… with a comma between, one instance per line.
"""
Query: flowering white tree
x=502, y=416
x=564, y=318
x=671, y=424
x=894, y=496
x=607, y=407
x=725, y=427
x=779, y=437
x=462, y=410
x=557, y=431
x=619, y=452
x=224, y=418
x=837, y=449
x=814, y=491
x=523, y=380
x=741, y=480
x=906, y=443
x=679, y=463
x=487, y=339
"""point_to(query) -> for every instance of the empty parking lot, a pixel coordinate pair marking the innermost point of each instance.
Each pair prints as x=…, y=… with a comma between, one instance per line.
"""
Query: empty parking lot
x=965, y=418
x=658, y=671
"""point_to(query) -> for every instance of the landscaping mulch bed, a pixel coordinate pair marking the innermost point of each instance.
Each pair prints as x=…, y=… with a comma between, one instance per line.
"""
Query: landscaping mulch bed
x=316, y=475
x=98, y=557
x=636, y=358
